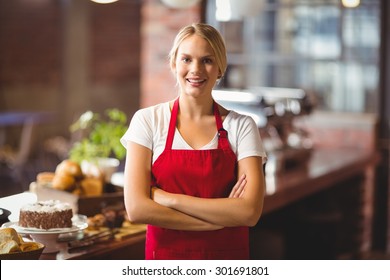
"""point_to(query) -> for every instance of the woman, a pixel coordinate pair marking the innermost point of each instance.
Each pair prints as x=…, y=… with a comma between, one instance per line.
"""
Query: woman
x=194, y=169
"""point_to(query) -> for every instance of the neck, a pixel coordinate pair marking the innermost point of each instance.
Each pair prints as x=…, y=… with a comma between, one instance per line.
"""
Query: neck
x=195, y=108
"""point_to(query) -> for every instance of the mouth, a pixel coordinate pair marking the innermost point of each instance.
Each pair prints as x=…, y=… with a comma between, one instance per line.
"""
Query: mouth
x=196, y=82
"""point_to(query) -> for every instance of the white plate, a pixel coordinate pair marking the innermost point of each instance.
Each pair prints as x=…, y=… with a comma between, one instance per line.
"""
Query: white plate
x=24, y=230
x=50, y=237
x=78, y=224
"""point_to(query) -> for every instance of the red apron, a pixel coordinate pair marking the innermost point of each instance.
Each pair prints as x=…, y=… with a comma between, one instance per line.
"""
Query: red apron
x=200, y=173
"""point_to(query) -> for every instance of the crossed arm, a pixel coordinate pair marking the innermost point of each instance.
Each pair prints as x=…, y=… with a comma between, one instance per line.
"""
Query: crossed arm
x=176, y=211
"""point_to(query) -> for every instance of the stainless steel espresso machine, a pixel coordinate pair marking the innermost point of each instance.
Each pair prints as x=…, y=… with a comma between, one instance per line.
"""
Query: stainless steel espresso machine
x=275, y=110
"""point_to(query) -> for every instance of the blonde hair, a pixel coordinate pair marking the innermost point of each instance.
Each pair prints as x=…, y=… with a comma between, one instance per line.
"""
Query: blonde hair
x=207, y=32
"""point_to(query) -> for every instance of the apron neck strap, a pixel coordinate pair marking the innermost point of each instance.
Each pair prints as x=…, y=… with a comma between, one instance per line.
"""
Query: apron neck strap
x=222, y=133
x=223, y=142
x=172, y=124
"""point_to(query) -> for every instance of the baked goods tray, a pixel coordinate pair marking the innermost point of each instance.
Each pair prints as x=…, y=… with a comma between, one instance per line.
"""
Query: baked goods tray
x=85, y=205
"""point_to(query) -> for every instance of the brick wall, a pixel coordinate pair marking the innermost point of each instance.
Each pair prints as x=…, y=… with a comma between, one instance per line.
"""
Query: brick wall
x=69, y=56
x=159, y=27
x=30, y=43
x=115, y=42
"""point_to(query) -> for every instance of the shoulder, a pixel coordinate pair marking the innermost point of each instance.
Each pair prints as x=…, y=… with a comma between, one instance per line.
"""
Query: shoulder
x=146, y=123
x=233, y=116
x=238, y=120
x=153, y=110
x=151, y=114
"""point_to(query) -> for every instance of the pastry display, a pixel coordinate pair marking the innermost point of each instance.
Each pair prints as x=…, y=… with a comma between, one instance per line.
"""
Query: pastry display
x=69, y=183
x=46, y=215
x=69, y=177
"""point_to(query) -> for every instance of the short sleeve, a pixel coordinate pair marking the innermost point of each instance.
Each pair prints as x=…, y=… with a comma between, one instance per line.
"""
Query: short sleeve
x=248, y=140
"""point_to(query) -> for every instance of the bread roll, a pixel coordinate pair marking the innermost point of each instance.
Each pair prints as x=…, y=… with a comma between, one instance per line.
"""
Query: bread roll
x=28, y=246
x=10, y=246
x=91, y=186
x=45, y=177
x=64, y=182
x=11, y=242
x=7, y=234
x=70, y=168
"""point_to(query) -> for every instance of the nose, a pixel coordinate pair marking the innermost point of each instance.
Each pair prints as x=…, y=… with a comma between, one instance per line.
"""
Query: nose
x=196, y=67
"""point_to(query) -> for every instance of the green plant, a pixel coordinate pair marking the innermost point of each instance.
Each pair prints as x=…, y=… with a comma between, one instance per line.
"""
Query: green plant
x=99, y=137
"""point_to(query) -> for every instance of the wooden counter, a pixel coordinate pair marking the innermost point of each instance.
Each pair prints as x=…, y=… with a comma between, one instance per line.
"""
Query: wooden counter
x=325, y=169
x=131, y=248
x=342, y=178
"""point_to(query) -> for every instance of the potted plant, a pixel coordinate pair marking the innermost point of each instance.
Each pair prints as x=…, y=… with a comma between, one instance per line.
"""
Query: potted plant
x=98, y=146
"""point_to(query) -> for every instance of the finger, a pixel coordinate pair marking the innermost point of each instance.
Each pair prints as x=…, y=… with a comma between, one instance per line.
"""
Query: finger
x=241, y=188
x=237, y=189
x=242, y=193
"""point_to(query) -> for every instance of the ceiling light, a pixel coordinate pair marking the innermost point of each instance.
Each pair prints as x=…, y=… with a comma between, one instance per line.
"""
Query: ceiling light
x=104, y=1
x=350, y=3
x=233, y=10
x=180, y=4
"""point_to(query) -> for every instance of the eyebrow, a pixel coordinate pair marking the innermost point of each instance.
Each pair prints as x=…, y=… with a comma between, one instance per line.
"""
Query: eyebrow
x=206, y=56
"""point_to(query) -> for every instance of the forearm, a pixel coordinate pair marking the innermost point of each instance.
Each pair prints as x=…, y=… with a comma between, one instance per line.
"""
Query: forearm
x=149, y=212
x=227, y=212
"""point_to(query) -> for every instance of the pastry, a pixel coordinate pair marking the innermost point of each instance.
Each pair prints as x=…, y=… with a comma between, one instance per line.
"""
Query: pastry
x=91, y=186
x=70, y=168
x=64, y=182
x=45, y=177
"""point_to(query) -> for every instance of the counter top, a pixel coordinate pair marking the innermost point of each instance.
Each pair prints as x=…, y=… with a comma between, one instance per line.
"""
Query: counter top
x=128, y=248
x=325, y=168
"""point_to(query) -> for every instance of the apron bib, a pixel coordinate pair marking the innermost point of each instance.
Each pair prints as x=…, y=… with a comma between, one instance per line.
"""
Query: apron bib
x=200, y=173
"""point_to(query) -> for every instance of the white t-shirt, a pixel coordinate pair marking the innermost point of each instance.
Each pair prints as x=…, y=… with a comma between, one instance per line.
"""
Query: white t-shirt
x=149, y=128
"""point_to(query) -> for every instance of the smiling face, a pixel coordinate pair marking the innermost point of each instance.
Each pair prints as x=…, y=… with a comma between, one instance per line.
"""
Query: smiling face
x=195, y=66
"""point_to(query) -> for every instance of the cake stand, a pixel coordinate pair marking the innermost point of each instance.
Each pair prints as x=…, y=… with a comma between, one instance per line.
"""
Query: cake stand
x=48, y=237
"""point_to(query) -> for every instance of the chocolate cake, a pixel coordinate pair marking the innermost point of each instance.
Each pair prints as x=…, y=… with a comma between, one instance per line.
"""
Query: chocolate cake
x=46, y=215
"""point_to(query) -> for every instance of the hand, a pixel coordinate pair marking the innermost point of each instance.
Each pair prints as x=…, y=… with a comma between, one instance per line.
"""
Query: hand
x=165, y=199
x=239, y=187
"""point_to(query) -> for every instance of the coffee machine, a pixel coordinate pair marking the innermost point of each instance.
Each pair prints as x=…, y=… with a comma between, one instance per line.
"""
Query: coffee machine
x=275, y=110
